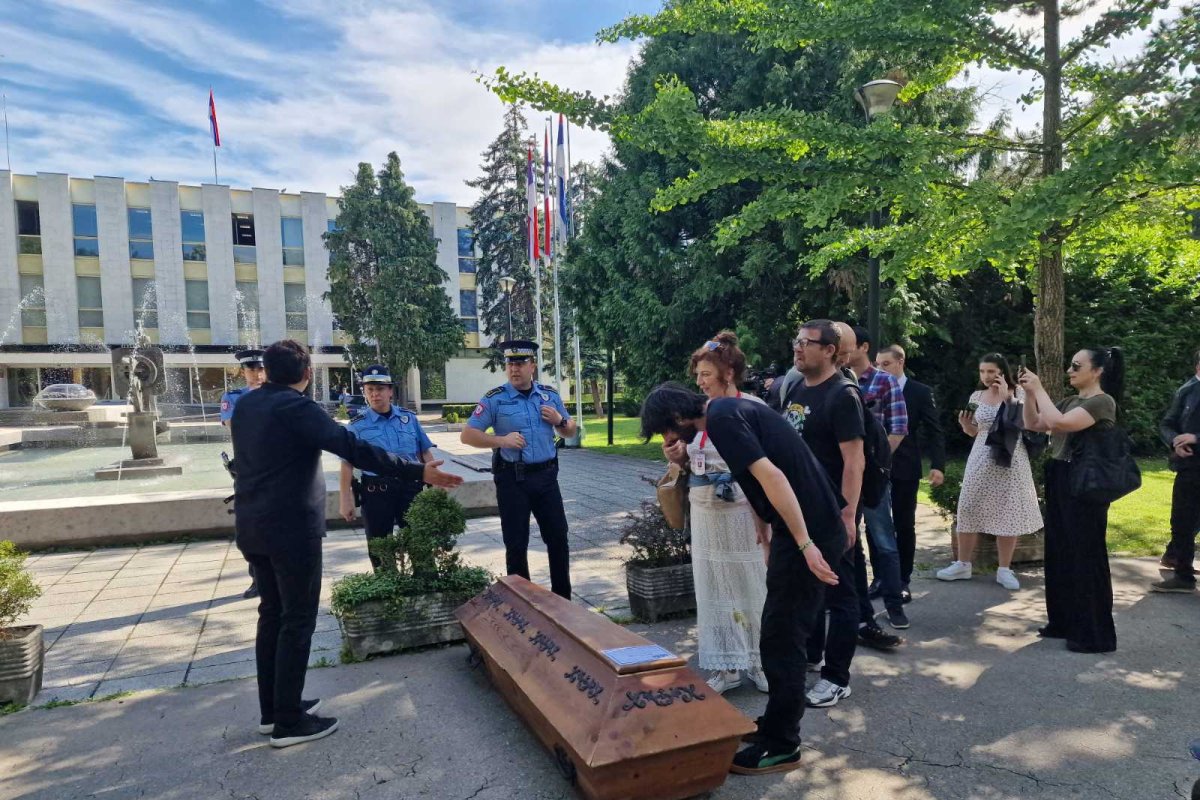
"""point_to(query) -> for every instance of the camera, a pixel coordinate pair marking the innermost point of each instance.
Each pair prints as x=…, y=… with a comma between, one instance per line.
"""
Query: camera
x=756, y=379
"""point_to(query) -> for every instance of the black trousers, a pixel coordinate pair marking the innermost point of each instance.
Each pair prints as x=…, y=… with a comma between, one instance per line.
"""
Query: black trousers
x=1079, y=596
x=904, y=515
x=837, y=644
x=536, y=493
x=289, y=586
x=384, y=503
x=795, y=598
x=1185, y=520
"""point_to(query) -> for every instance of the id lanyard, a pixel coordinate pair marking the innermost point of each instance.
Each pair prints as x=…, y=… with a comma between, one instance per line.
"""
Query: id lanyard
x=698, y=461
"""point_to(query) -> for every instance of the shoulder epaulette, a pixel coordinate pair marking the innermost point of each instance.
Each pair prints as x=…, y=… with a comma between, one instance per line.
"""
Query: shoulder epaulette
x=547, y=388
x=495, y=391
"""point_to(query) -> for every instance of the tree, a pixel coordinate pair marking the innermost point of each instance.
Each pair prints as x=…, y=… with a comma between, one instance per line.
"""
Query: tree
x=384, y=282
x=1114, y=133
x=501, y=235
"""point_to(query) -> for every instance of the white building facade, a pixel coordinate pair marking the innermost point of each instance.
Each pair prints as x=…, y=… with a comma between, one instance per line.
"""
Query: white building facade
x=86, y=263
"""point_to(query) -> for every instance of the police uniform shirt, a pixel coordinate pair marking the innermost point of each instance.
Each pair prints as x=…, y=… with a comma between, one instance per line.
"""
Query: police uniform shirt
x=399, y=433
x=505, y=410
x=229, y=401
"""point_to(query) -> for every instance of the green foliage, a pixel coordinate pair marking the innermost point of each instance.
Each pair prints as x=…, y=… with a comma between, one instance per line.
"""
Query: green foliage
x=17, y=587
x=463, y=410
x=383, y=268
x=451, y=417
x=418, y=559
x=653, y=542
x=341, y=413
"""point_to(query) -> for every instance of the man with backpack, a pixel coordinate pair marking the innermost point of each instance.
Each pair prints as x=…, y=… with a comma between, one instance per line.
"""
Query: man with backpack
x=882, y=396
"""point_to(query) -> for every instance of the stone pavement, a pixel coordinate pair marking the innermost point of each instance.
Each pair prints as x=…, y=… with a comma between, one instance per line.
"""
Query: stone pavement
x=134, y=618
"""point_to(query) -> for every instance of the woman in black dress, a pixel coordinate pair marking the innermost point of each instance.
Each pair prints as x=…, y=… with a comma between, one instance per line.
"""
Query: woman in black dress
x=1079, y=595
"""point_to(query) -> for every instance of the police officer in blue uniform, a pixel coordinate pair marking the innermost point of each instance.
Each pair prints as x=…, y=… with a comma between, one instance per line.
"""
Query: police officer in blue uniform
x=385, y=500
x=255, y=375
x=524, y=416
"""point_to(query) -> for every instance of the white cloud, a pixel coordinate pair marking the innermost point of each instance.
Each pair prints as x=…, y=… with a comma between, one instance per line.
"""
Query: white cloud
x=381, y=80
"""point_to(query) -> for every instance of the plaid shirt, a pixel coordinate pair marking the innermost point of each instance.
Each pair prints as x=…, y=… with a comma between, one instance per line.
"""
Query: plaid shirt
x=882, y=394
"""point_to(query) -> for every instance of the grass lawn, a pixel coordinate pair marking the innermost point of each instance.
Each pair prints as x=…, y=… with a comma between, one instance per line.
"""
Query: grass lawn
x=1139, y=524
x=626, y=441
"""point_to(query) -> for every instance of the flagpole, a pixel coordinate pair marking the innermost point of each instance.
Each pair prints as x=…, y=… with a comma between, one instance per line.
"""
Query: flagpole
x=570, y=172
x=7, y=152
x=554, y=261
x=216, y=179
x=535, y=268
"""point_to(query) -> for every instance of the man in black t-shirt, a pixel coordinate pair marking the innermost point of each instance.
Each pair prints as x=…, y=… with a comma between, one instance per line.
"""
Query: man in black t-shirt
x=787, y=487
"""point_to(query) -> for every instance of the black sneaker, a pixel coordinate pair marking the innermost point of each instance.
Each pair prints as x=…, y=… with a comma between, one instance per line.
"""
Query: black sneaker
x=756, y=759
x=1047, y=632
x=897, y=618
x=308, y=729
x=250, y=593
x=1174, y=584
x=873, y=636
x=754, y=736
x=267, y=724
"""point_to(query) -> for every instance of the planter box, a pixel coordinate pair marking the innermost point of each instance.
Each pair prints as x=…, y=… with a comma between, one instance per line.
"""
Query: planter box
x=657, y=591
x=455, y=426
x=21, y=665
x=424, y=620
x=1031, y=549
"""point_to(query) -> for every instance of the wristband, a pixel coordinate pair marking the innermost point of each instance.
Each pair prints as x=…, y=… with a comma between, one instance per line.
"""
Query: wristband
x=806, y=545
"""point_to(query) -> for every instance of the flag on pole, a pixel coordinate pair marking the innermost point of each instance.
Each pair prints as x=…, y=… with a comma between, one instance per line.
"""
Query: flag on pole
x=531, y=205
x=560, y=171
x=547, y=219
x=212, y=119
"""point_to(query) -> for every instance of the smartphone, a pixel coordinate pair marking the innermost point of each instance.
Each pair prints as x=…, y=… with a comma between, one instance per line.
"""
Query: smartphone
x=1023, y=367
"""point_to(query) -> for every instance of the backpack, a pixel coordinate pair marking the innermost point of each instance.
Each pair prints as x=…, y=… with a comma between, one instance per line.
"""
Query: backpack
x=877, y=474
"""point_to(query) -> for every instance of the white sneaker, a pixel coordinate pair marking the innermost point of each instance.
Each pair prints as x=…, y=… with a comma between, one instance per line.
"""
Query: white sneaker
x=825, y=694
x=759, y=679
x=721, y=681
x=1006, y=578
x=958, y=571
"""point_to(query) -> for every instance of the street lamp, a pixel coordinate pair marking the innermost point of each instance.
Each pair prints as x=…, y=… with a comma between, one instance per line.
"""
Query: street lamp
x=506, y=283
x=875, y=97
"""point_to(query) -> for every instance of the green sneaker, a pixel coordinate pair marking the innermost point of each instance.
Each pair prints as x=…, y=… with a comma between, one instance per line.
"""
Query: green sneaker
x=1174, y=584
x=757, y=760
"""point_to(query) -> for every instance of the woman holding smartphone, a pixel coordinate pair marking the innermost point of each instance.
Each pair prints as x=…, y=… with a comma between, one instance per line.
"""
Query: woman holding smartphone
x=1079, y=596
x=995, y=499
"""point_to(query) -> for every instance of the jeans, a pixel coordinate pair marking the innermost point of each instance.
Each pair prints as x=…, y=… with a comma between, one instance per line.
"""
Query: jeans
x=1185, y=519
x=885, y=556
x=538, y=493
x=289, y=586
x=904, y=514
x=836, y=646
x=794, y=600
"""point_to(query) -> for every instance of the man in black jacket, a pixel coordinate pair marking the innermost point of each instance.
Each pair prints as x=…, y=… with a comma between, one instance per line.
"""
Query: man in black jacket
x=278, y=436
x=925, y=436
x=1179, y=430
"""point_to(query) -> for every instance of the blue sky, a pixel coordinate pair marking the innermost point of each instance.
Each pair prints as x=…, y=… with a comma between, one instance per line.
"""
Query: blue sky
x=114, y=87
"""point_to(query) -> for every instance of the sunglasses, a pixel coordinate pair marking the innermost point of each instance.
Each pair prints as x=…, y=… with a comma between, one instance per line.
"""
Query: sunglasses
x=1075, y=367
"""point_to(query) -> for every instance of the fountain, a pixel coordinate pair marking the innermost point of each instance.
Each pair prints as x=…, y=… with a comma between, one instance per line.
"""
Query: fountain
x=138, y=372
x=65, y=397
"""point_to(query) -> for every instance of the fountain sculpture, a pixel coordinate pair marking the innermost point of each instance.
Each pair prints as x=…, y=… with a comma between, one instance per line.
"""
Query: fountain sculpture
x=138, y=373
x=65, y=397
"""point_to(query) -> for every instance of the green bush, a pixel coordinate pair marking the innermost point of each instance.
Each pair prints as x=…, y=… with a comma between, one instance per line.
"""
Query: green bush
x=461, y=410
x=17, y=587
x=653, y=541
x=629, y=405
x=451, y=417
x=417, y=559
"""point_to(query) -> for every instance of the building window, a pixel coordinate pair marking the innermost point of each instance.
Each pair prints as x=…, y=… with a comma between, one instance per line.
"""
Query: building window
x=141, y=234
x=33, y=302
x=91, y=306
x=292, y=229
x=191, y=224
x=466, y=250
x=196, y=293
x=145, y=303
x=246, y=296
x=29, y=227
x=295, y=305
x=471, y=324
x=83, y=218
x=331, y=226
x=466, y=299
x=243, y=239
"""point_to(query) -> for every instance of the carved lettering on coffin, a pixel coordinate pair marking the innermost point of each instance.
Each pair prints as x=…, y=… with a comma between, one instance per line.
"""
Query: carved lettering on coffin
x=585, y=683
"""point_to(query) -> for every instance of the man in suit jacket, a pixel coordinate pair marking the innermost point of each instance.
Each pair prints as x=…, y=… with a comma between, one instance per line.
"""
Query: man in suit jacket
x=925, y=437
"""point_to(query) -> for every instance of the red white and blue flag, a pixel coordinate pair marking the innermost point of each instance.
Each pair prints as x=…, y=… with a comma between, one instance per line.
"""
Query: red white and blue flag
x=548, y=220
x=560, y=172
x=212, y=119
x=531, y=205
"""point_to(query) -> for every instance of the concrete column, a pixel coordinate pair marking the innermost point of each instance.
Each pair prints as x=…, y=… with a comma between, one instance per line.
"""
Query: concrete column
x=3, y=387
x=168, y=263
x=58, y=258
x=268, y=240
x=444, y=218
x=414, y=388
x=316, y=269
x=10, y=279
x=218, y=247
x=116, y=287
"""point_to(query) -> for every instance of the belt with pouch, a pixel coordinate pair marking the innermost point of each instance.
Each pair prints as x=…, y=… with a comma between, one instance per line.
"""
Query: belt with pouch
x=372, y=484
x=500, y=465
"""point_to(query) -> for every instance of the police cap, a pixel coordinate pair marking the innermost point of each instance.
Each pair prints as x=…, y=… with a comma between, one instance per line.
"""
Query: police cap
x=252, y=357
x=377, y=373
x=518, y=350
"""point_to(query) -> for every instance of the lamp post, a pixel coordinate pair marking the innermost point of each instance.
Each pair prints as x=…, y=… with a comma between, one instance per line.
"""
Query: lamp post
x=506, y=283
x=875, y=97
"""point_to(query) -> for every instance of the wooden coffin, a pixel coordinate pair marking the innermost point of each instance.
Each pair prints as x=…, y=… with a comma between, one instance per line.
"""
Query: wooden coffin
x=624, y=718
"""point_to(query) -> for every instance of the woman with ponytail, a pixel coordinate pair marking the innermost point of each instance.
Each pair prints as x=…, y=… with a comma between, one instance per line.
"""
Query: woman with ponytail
x=1079, y=595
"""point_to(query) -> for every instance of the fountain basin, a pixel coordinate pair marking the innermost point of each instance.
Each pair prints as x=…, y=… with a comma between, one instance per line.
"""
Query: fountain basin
x=65, y=397
x=133, y=468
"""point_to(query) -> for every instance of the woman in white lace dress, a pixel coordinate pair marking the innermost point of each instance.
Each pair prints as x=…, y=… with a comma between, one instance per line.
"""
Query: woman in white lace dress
x=995, y=499
x=728, y=557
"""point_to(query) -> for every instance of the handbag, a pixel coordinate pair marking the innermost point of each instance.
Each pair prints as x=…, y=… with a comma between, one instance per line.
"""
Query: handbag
x=1102, y=466
x=671, y=490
